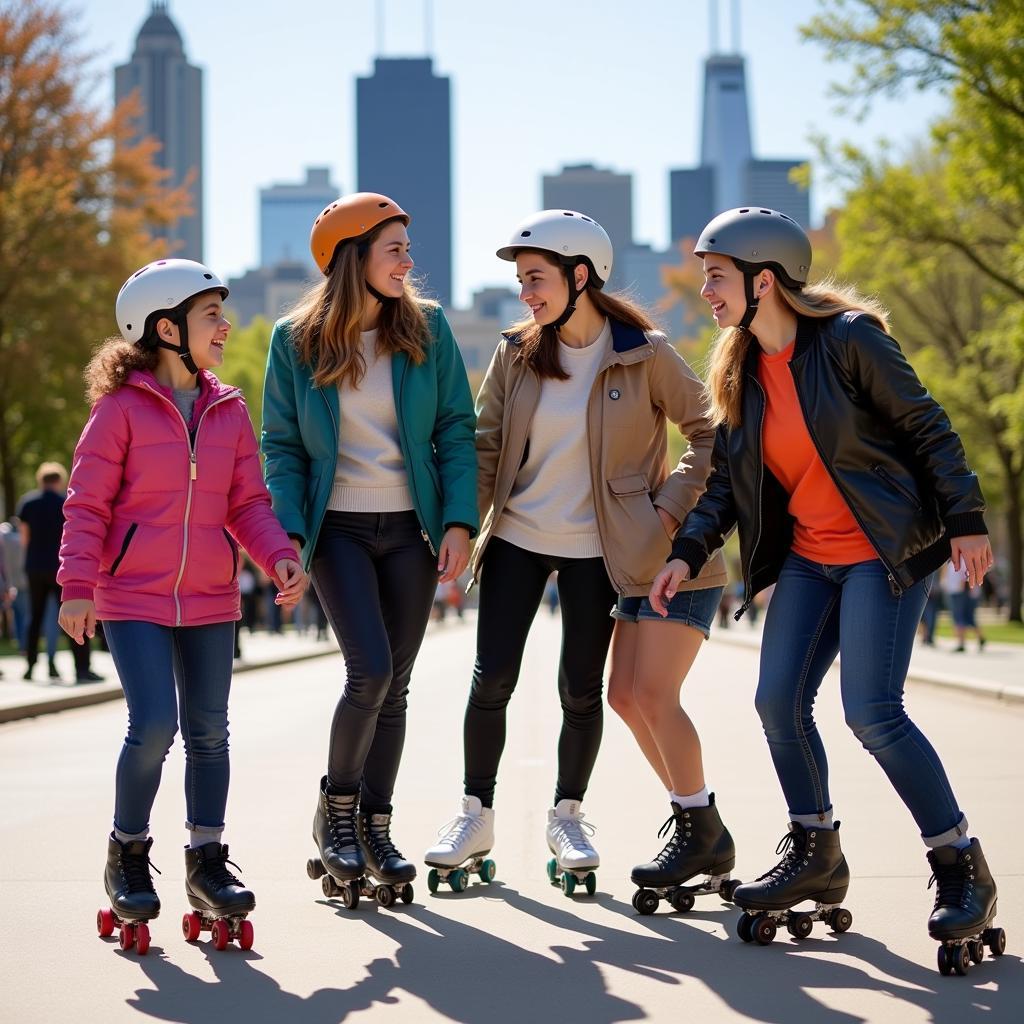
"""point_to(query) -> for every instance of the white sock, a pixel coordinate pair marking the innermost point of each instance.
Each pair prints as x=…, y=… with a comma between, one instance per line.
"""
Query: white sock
x=961, y=842
x=202, y=838
x=698, y=799
x=814, y=820
x=128, y=837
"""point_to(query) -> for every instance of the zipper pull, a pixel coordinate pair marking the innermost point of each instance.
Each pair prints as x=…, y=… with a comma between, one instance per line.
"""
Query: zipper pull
x=192, y=466
x=423, y=534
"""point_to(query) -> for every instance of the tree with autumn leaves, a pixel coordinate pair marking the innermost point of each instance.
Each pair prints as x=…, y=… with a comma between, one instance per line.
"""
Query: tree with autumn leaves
x=78, y=202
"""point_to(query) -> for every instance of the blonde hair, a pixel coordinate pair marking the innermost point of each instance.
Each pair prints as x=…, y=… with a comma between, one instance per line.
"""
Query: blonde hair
x=325, y=323
x=539, y=344
x=51, y=471
x=825, y=298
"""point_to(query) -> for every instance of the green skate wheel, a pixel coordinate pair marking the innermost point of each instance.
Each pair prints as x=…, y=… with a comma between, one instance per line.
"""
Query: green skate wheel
x=568, y=883
x=591, y=883
x=433, y=880
x=487, y=871
x=553, y=871
x=458, y=880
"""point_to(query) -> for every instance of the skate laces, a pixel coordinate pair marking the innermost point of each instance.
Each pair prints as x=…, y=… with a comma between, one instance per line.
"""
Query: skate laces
x=949, y=880
x=460, y=828
x=572, y=832
x=378, y=831
x=790, y=851
x=135, y=871
x=217, y=872
x=341, y=821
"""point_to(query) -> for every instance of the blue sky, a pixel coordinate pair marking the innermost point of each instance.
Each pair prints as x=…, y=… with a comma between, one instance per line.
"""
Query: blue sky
x=534, y=85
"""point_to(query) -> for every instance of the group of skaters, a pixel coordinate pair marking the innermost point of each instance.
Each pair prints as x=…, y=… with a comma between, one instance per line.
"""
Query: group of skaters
x=813, y=437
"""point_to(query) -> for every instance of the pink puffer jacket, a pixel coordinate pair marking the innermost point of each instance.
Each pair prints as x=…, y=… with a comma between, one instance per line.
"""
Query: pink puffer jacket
x=153, y=517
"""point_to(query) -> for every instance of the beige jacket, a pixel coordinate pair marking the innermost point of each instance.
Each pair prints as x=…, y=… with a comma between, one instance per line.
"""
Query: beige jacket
x=642, y=383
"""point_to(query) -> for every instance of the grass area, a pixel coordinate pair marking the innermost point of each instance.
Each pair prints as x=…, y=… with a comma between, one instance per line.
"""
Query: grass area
x=1001, y=632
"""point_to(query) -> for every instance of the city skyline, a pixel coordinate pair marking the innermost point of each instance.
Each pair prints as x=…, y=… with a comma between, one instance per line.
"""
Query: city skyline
x=520, y=108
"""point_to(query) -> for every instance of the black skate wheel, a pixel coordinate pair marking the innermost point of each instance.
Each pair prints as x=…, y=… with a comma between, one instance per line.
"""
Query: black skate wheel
x=729, y=887
x=763, y=930
x=220, y=933
x=839, y=920
x=329, y=887
x=682, y=902
x=800, y=926
x=191, y=926
x=315, y=868
x=961, y=959
x=433, y=880
x=350, y=895
x=105, y=923
x=945, y=961
x=743, y=927
x=385, y=896
x=995, y=939
x=976, y=950
x=646, y=901
x=407, y=893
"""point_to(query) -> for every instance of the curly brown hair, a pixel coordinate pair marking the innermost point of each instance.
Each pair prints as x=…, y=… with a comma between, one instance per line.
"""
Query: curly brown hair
x=111, y=363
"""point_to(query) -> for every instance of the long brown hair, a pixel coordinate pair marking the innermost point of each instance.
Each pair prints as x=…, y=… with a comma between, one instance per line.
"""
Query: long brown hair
x=819, y=300
x=325, y=322
x=111, y=363
x=539, y=344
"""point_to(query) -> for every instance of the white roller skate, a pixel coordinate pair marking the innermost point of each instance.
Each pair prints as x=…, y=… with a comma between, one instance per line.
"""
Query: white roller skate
x=462, y=847
x=575, y=859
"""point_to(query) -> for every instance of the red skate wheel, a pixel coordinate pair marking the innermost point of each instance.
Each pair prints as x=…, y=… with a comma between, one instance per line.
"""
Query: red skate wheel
x=220, y=934
x=245, y=935
x=141, y=938
x=105, y=923
x=126, y=937
x=191, y=926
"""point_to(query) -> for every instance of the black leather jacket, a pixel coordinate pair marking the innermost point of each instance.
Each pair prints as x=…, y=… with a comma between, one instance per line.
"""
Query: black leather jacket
x=886, y=443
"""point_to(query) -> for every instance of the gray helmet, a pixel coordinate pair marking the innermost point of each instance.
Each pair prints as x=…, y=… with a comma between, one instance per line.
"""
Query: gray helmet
x=754, y=237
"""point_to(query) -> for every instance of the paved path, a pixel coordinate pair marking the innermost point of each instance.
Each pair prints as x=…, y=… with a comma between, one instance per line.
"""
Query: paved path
x=518, y=951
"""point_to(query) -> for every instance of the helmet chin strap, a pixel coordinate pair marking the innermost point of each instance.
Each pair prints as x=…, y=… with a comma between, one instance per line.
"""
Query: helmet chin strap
x=181, y=348
x=752, y=300
x=379, y=296
x=574, y=294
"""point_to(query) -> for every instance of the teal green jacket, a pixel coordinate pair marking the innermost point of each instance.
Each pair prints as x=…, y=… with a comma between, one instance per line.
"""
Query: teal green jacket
x=436, y=427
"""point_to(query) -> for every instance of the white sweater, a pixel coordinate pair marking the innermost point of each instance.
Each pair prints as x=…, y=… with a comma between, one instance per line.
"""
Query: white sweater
x=551, y=508
x=370, y=474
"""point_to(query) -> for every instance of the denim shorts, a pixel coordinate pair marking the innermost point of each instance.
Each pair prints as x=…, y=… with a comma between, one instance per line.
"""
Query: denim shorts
x=696, y=608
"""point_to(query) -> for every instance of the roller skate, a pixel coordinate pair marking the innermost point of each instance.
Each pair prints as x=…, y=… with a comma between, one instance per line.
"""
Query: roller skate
x=575, y=860
x=133, y=900
x=699, y=844
x=341, y=864
x=389, y=876
x=965, y=905
x=812, y=868
x=219, y=900
x=462, y=848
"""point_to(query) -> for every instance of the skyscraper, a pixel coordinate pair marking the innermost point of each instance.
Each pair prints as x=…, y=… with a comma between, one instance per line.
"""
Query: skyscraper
x=403, y=149
x=604, y=195
x=287, y=212
x=171, y=91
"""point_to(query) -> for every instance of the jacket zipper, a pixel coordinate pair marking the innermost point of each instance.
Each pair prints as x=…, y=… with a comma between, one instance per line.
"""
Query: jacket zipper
x=593, y=496
x=408, y=474
x=193, y=473
x=894, y=584
x=888, y=478
x=748, y=596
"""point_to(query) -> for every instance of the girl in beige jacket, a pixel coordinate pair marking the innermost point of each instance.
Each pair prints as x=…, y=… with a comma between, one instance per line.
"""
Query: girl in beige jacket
x=574, y=479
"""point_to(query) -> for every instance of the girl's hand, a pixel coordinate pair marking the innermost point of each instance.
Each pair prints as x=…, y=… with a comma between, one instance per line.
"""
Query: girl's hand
x=78, y=619
x=454, y=554
x=666, y=583
x=292, y=581
x=668, y=521
x=972, y=554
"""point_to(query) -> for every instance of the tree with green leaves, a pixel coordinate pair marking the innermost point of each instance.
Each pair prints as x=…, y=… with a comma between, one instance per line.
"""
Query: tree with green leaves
x=77, y=200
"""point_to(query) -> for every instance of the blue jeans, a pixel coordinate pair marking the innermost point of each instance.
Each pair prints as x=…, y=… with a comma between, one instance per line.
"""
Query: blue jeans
x=816, y=612
x=163, y=669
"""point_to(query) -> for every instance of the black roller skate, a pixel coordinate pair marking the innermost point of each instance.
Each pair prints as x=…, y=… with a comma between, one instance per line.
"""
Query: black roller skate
x=965, y=905
x=341, y=864
x=385, y=866
x=699, y=845
x=133, y=900
x=219, y=900
x=812, y=868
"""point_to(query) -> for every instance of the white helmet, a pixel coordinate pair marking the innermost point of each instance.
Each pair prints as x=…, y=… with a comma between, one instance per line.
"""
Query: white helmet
x=161, y=287
x=570, y=236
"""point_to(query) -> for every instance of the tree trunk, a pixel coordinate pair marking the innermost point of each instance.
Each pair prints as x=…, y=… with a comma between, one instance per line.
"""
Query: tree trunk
x=1015, y=538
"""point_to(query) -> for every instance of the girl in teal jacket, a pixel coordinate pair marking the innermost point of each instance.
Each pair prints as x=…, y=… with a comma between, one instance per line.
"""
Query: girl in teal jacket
x=368, y=433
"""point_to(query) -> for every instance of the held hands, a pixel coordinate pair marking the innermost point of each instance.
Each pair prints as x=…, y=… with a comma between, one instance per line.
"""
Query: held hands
x=666, y=583
x=454, y=554
x=292, y=581
x=78, y=619
x=972, y=554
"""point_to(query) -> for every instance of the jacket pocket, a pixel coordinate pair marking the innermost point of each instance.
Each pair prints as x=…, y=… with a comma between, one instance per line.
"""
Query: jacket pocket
x=886, y=477
x=234, y=553
x=626, y=485
x=124, y=548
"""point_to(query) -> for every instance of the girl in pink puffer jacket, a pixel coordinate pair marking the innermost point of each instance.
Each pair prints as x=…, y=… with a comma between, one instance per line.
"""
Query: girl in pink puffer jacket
x=165, y=486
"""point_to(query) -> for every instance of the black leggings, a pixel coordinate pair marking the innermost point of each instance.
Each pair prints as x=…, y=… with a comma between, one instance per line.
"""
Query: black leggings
x=511, y=589
x=375, y=577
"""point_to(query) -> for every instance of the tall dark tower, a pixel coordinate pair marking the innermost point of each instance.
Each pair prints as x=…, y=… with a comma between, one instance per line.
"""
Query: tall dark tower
x=404, y=150
x=171, y=91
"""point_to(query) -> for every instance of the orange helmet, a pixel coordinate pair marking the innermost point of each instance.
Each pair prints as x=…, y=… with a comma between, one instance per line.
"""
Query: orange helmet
x=350, y=217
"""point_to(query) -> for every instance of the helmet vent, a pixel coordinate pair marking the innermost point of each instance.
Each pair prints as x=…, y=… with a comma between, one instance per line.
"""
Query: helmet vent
x=568, y=213
x=209, y=277
x=769, y=212
x=383, y=206
x=745, y=210
x=588, y=220
x=129, y=326
x=526, y=234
